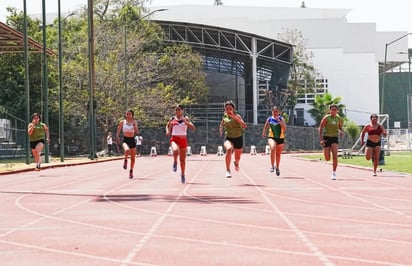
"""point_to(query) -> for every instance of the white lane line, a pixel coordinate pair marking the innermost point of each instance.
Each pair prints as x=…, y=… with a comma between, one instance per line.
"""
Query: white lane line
x=368, y=188
x=72, y=253
x=133, y=253
x=312, y=247
x=362, y=199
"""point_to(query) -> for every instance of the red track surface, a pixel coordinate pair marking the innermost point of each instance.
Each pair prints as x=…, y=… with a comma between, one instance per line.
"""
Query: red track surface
x=94, y=215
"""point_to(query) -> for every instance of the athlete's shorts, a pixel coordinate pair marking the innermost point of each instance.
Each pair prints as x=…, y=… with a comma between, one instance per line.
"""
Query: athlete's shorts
x=33, y=144
x=130, y=141
x=237, y=142
x=278, y=140
x=328, y=141
x=181, y=141
x=372, y=144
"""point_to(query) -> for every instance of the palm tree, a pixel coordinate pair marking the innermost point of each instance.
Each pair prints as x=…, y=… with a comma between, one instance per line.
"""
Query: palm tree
x=321, y=106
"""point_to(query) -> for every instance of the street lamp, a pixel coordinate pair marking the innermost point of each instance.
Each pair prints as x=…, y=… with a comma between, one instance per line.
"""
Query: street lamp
x=384, y=70
x=126, y=63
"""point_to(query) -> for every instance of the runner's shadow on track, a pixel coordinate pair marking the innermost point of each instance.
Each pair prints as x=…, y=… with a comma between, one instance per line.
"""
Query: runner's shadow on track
x=251, y=185
x=173, y=198
x=197, y=184
x=290, y=177
x=49, y=193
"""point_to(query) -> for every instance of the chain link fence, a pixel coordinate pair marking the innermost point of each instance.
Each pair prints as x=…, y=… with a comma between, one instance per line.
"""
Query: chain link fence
x=12, y=136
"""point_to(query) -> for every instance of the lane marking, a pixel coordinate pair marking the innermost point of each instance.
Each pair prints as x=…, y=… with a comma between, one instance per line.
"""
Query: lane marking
x=312, y=247
x=133, y=253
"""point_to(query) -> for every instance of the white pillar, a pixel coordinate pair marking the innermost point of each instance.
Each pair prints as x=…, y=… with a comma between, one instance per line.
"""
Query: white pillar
x=254, y=80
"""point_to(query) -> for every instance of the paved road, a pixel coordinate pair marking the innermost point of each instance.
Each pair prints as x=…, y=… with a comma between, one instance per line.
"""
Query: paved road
x=92, y=214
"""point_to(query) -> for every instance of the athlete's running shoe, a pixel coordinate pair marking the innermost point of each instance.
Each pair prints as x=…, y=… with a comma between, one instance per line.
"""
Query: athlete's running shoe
x=236, y=166
x=174, y=166
x=228, y=175
x=125, y=164
x=333, y=176
x=277, y=171
x=374, y=173
x=183, y=179
x=131, y=174
x=272, y=169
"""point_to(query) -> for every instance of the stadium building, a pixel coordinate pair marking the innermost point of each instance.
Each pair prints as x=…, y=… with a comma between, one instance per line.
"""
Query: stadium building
x=349, y=57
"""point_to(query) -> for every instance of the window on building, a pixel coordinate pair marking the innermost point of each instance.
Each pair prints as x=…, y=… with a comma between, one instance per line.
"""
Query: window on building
x=321, y=87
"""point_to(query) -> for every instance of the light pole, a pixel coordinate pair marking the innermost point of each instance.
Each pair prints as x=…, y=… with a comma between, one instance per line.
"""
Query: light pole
x=45, y=80
x=91, y=106
x=126, y=63
x=26, y=79
x=61, y=115
x=384, y=71
x=409, y=53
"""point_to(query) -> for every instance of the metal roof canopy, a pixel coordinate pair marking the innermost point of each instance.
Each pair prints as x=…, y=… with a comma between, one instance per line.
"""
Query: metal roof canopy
x=229, y=44
x=234, y=51
x=12, y=41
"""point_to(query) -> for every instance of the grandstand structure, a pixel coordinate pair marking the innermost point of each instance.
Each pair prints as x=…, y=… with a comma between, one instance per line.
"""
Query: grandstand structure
x=348, y=57
x=237, y=54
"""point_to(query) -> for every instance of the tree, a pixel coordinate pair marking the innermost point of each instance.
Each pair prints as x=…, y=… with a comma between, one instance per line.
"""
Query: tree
x=302, y=75
x=157, y=76
x=352, y=130
x=321, y=105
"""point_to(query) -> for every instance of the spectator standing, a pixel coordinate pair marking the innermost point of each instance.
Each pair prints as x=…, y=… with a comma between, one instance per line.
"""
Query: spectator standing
x=109, y=143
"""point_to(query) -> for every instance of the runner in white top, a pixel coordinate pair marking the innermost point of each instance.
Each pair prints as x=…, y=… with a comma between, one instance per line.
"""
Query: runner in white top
x=130, y=129
x=176, y=128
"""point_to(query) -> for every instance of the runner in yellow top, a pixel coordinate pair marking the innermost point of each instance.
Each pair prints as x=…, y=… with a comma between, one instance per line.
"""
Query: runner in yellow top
x=329, y=129
x=233, y=126
x=274, y=129
x=37, y=132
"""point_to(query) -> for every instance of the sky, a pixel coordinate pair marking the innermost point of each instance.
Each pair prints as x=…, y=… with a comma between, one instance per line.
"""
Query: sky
x=393, y=15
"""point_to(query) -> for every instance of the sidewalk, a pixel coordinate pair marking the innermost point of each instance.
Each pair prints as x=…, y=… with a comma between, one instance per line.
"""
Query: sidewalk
x=11, y=167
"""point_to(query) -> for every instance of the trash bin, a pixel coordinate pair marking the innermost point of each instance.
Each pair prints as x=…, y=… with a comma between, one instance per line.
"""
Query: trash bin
x=381, y=158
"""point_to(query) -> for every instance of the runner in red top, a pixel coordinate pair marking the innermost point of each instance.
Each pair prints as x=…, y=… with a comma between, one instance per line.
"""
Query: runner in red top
x=176, y=128
x=373, y=142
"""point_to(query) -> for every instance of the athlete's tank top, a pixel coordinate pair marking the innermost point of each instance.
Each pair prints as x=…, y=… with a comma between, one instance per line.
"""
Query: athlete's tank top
x=332, y=126
x=38, y=132
x=232, y=127
x=179, y=128
x=275, y=130
x=378, y=131
x=128, y=127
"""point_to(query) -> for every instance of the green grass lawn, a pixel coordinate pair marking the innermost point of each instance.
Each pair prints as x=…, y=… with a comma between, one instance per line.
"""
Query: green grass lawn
x=396, y=161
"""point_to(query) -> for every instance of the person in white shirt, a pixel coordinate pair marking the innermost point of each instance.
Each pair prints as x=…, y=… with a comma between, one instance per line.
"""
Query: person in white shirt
x=109, y=143
x=176, y=128
x=139, y=141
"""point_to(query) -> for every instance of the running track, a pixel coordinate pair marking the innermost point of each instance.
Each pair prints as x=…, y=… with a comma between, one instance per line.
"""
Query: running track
x=93, y=214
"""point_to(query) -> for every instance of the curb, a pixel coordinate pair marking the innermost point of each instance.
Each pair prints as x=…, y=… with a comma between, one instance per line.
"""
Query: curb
x=59, y=165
